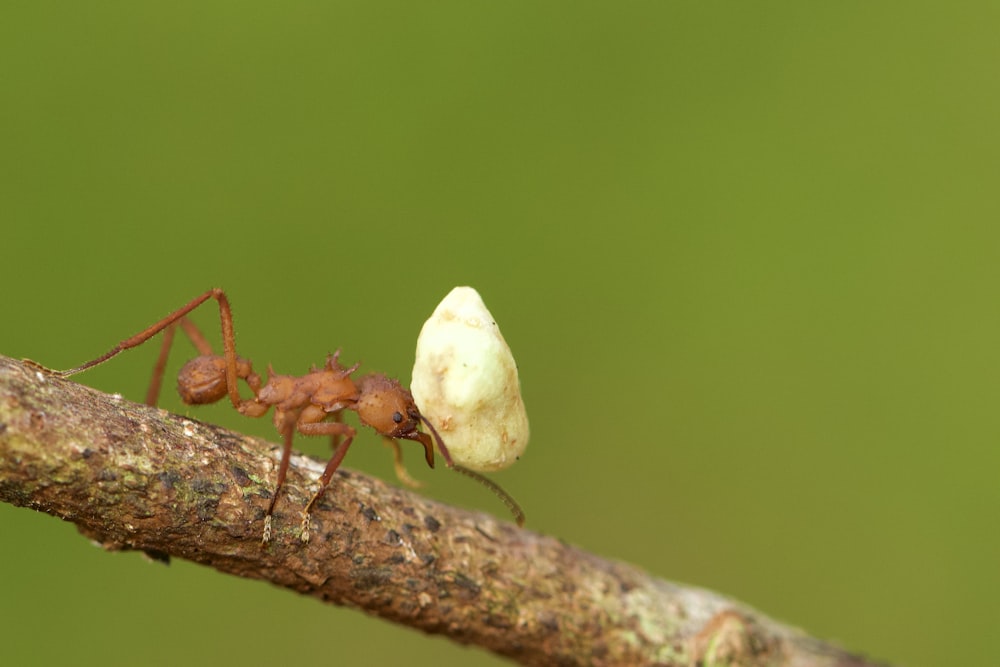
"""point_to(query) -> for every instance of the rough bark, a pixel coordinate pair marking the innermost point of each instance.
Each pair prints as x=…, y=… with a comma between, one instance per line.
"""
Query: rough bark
x=134, y=477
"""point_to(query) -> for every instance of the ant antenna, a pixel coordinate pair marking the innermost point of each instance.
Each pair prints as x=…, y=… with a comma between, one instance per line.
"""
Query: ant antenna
x=504, y=497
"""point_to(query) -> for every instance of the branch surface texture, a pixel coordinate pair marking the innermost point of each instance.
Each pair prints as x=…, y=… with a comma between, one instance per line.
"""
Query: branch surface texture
x=134, y=477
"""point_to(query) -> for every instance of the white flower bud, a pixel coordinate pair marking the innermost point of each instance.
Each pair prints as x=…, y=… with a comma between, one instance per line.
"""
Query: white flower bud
x=465, y=383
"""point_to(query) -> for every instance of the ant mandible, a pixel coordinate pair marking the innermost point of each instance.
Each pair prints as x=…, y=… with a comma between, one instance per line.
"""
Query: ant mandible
x=311, y=404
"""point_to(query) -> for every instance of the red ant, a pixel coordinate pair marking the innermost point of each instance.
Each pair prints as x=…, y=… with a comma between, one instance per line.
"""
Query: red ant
x=311, y=403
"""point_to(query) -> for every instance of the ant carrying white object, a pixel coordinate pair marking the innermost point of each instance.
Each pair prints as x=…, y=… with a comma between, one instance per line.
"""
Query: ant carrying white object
x=311, y=404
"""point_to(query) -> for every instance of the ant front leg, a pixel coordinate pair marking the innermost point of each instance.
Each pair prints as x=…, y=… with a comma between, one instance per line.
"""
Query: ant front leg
x=308, y=423
x=397, y=461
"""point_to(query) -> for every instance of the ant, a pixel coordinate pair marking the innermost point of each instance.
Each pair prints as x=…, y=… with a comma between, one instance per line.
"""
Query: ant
x=311, y=404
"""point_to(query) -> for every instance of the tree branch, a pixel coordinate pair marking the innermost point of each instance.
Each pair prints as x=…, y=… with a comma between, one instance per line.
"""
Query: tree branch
x=134, y=477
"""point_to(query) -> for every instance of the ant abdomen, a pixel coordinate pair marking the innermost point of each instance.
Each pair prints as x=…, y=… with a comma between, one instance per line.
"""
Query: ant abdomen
x=203, y=379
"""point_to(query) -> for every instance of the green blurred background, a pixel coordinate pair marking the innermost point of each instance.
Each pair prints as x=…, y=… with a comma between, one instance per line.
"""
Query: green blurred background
x=746, y=256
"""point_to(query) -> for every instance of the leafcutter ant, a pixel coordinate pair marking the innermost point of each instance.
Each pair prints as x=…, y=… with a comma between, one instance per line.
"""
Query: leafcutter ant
x=311, y=404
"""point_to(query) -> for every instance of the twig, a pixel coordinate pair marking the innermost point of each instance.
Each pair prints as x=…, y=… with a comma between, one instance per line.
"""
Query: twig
x=134, y=477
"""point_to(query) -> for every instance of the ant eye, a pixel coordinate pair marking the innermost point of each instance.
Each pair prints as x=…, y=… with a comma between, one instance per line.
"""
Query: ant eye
x=397, y=417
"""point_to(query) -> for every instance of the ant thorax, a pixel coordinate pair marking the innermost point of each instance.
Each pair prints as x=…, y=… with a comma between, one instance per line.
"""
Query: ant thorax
x=329, y=388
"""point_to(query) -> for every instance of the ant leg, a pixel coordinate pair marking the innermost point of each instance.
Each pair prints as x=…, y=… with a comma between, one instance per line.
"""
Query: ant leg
x=286, y=454
x=397, y=460
x=155, y=382
x=287, y=432
x=142, y=336
x=197, y=339
x=228, y=339
x=335, y=437
x=333, y=429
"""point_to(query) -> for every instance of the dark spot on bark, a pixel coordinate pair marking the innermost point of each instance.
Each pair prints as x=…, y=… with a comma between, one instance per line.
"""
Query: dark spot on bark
x=37, y=420
x=428, y=558
x=106, y=475
x=15, y=494
x=396, y=559
x=392, y=538
x=408, y=529
x=358, y=560
x=207, y=486
x=226, y=439
x=414, y=585
x=549, y=622
x=240, y=476
x=485, y=534
x=208, y=492
x=431, y=523
x=371, y=577
x=207, y=508
x=497, y=621
x=369, y=513
x=3, y=428
x=467, y=584
x=87, y=452
x=168, y=478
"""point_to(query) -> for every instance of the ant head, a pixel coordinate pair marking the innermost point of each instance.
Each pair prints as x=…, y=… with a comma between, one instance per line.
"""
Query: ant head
x=387, y=407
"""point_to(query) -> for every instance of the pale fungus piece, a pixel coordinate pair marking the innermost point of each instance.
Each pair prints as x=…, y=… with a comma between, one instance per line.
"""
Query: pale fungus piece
x=465, y=383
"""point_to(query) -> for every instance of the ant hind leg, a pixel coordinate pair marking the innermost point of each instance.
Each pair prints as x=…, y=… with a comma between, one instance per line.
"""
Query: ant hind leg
x=156, y=381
